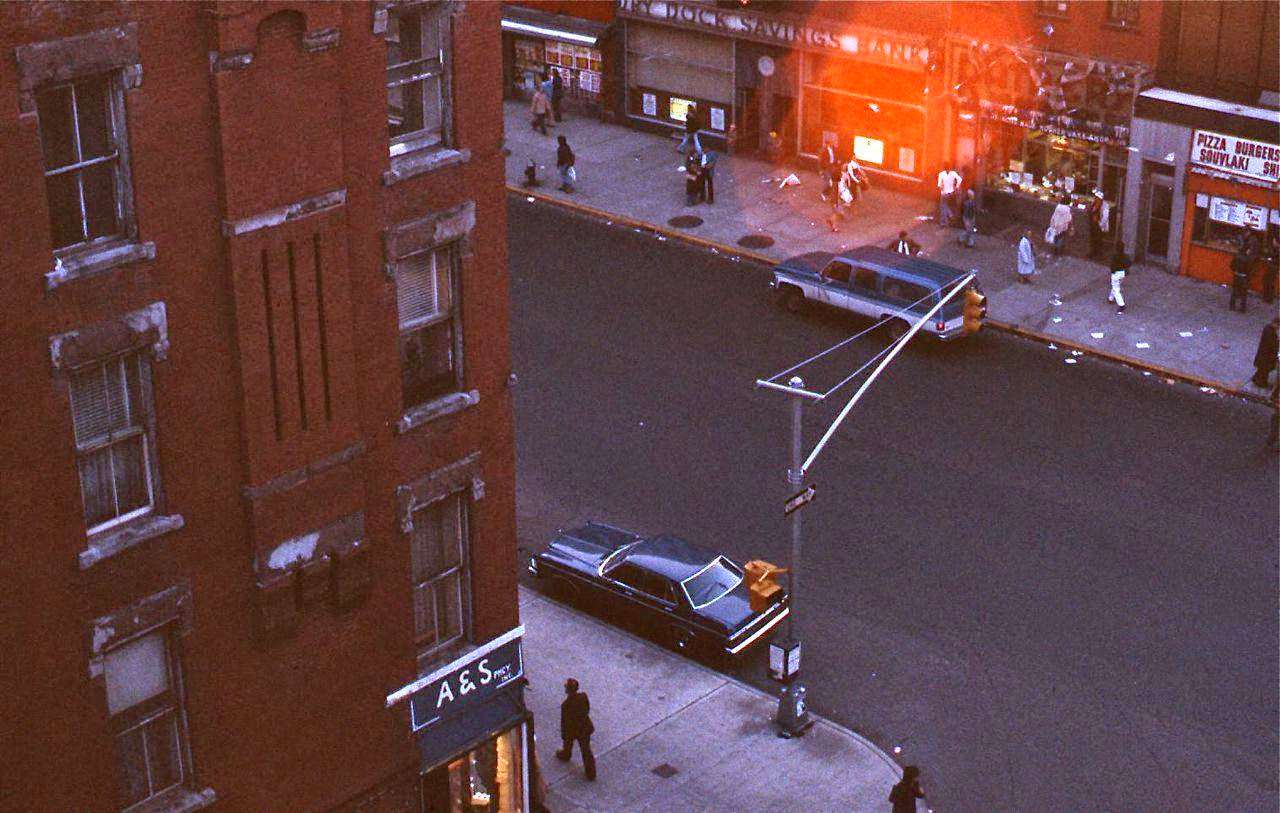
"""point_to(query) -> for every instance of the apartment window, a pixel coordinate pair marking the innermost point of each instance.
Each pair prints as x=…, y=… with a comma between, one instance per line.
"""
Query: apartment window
x=1122, y=12
x=1052, y=8
x=81, y=127
x=441, y=605
x=144, y=699
x=430, y=333
x=110, y=409
x=417, y=86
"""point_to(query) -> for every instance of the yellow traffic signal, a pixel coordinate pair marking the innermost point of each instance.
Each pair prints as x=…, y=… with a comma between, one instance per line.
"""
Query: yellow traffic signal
x=975, y=310
x=761, y=578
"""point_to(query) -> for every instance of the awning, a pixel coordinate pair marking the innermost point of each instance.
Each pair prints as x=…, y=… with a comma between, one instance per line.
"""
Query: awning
x=533, y=23
x=1207, y=113
x=456, y=735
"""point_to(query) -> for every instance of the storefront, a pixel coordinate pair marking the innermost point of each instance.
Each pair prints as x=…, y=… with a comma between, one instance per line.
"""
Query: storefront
x=1035, y=127
x=536, y=43
x=473, y=730
x=1210, y=170
x=806, y=80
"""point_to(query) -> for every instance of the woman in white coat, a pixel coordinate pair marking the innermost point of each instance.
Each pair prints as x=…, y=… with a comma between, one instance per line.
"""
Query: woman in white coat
x=1026, y=257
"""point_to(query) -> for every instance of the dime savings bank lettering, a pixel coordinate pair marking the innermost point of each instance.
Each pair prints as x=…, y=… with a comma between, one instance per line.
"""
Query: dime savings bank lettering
x=871, y=47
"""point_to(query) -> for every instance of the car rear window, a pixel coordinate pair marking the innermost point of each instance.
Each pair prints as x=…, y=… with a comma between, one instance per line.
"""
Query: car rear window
x=712, y=582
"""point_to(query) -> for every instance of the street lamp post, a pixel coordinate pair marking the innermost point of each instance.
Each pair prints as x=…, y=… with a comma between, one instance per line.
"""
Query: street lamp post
x=793, y=715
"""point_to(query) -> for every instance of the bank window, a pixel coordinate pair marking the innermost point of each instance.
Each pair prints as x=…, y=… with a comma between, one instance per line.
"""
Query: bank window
x=1225, y=224
x=430, y=329
x=417, y=85
x=81, y=138
x=1122, y=12
x=145, y=704
x=441, y=585
x=115, y=454
x=1052, y=8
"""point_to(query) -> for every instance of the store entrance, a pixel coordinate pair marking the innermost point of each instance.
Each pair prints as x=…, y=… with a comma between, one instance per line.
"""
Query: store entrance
x=1157, y=211
x=747, y=115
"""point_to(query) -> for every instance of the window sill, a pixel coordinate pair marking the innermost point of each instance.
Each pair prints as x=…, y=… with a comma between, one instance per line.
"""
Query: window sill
x=420, y=162
x=89, y=262
x=176, y=800
x=444, y=405
x=116, y=540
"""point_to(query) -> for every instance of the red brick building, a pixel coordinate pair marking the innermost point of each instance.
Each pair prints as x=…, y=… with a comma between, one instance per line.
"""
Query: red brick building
x=258, y=457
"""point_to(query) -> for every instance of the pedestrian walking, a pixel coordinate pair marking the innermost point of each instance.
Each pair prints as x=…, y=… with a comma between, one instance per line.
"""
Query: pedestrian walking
x=692, y=123
x=1273, y=437
x=565, y=160
x=1120, y=263
x=859, y=181
x=1096, y=232
x=1264, y=360
x=692, y=178
x=969, y=217
x=575, y=726
x=904, y=794
x=1026, y=257
x=1271, y=268
x=843, y=200
x=1241, y=265
x=557, y=94
x=707, y=181
x=1059, y=227
x=540, y=107
x=905, y=245
x=828, y=170
x=949, y=182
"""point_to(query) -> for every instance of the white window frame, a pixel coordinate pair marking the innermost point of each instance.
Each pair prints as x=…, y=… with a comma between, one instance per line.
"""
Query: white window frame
x=117, y=136
x=174, y=703
x=449, y=255
x=141, y=425
x=429, y=136
x=462, y=571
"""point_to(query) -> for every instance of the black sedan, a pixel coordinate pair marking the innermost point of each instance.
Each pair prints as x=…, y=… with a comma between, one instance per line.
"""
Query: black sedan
x=694, y=598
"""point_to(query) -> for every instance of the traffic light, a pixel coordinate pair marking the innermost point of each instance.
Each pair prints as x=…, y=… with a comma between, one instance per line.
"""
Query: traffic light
x=975, y=310
x=761, y=577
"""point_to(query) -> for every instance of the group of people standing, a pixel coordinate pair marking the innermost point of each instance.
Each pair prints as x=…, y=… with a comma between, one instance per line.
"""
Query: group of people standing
x=547, y=98
x=1247, y=259
x=842, y=185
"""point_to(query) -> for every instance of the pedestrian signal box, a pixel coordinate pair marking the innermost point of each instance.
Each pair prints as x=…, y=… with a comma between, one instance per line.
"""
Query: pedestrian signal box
x=761, y=577
x=975, y=310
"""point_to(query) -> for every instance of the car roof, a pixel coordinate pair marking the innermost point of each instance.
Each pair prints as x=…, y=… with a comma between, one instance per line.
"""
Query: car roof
x=928, y=270
x=670, y=556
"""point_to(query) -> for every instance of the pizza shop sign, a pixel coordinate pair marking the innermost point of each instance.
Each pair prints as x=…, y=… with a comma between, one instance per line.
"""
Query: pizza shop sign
x=871, y=46
x=1239, y=156
x=474, y=677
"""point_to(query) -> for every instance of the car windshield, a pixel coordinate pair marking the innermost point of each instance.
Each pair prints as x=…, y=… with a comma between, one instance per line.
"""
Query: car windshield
x=712, y=582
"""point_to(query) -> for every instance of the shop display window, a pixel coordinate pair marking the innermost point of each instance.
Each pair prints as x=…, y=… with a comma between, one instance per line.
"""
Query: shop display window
x=666, y=107
x=1224, y=223
x=879, y=134
x=489, y=779
x=578, y=65
x=1049, y=166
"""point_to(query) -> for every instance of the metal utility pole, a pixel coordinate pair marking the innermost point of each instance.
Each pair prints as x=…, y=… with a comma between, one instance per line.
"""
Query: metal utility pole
x=793, y=716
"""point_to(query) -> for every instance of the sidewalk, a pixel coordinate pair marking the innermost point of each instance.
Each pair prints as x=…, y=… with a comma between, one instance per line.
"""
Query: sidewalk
x=674, y=735
x=1173, y=325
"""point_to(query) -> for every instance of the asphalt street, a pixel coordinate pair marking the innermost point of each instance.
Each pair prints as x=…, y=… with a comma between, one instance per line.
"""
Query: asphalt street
x=1053, y=586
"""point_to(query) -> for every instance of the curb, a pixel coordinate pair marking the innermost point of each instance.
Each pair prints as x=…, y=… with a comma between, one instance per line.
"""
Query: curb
x=1010, y=328
x=818, y=719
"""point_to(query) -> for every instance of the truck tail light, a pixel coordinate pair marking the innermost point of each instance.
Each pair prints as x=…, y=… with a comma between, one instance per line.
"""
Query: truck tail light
x=941, y=325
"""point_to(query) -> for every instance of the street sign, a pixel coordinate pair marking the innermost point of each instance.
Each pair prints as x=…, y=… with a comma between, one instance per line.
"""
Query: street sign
x=797, y=500
x=453, y=688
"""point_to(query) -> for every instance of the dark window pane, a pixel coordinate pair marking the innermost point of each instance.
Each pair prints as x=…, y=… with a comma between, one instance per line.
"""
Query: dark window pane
x=94, y=118
x=100, y=199
x=426, y=363
x=424, y=618
x=131, y=474
x=163, y=754
x=64, y=209
x=410, y=37
x=96, y=487
x=404, y=109
x=449, y=606
x=57, y=139
x=131, y=762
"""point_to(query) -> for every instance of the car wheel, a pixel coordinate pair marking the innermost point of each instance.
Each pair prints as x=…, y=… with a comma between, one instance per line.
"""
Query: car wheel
x=681, y=639
x=792, y=299
x=896, y=329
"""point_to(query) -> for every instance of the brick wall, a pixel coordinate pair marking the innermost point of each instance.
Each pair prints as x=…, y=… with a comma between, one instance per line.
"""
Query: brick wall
x=293, y=720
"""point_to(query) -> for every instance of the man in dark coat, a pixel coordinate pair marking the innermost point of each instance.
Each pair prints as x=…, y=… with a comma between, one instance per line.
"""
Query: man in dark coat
x=1241, y=265
x=575, y=726
x=904, y=794
x=557, y=94
x=1264, y=361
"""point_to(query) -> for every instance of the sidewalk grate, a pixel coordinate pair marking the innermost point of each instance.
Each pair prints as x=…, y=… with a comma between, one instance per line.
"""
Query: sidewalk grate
x=756, y=241
x=666, y=771
x=685, y=222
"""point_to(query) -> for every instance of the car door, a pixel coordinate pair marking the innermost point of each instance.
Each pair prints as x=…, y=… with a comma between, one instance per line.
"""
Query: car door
x=835, y=282
x=864, y=295
x=641, y=594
